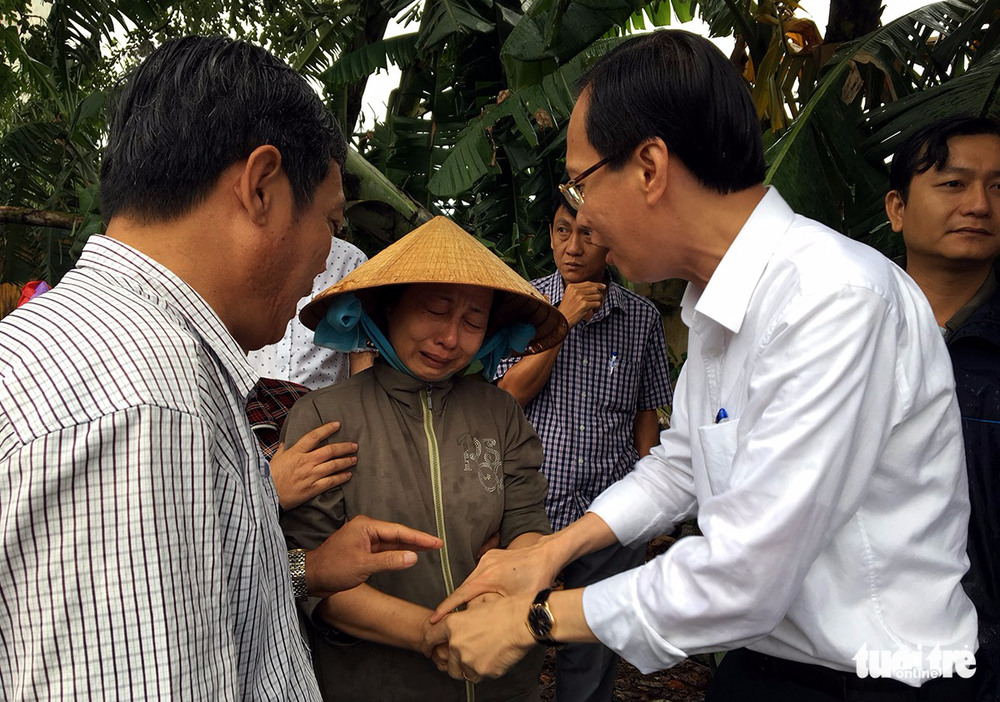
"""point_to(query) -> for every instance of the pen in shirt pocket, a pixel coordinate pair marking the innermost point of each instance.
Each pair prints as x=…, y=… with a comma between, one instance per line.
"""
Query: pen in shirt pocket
x=722, y=416
x=612, y=363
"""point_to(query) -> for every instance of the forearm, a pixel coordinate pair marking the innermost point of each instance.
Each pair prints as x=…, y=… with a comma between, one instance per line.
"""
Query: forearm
x=524, y=540
x=646, y=431
x=526, y=378
x=588, y=534
x=570, y=622
x=372, y=615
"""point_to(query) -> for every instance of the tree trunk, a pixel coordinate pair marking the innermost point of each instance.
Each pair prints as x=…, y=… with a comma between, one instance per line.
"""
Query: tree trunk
x=850, y=19
x=371, y=31
x=39, y=218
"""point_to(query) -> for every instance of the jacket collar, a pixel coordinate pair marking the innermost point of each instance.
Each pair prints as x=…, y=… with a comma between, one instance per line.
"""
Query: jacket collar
x=983, y=322
x=405, y=389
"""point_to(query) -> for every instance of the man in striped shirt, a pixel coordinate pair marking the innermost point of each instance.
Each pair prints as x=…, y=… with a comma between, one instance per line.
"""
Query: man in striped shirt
x=142, y=556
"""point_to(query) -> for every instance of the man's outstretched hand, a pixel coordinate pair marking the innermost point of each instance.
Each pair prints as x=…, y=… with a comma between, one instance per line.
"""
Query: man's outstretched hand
x=517, y=571
x=525, y=571
x=485, y=640
x=359, y=549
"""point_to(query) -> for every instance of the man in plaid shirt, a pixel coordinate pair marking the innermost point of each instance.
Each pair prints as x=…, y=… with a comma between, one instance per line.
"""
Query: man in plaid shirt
x=593, y=402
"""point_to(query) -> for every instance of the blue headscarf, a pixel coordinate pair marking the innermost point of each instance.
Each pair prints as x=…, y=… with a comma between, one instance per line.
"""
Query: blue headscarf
x=346, y=327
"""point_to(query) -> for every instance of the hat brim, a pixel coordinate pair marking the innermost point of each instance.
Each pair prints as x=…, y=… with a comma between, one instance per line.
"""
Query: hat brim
x=442, y=252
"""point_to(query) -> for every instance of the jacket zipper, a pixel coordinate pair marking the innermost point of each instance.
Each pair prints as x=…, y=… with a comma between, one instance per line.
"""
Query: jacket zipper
x=435, y=460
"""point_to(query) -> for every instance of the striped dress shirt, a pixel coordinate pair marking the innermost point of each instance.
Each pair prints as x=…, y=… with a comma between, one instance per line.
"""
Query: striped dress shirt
x=142, y=557
x=608, y=368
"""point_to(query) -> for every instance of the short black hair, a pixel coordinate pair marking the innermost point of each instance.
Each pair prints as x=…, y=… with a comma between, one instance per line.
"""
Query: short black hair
x=927, y=148
x=679, y=87
x=559, y=200
x=197, y=105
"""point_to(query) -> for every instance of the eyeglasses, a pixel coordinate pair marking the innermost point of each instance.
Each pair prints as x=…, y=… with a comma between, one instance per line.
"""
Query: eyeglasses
x=571, y=189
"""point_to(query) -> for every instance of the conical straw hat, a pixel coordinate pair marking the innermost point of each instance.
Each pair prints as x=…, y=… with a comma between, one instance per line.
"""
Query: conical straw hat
x=440, y=251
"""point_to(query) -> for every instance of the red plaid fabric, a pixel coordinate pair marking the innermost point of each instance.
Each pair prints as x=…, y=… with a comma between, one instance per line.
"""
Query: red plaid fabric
x=267, y=408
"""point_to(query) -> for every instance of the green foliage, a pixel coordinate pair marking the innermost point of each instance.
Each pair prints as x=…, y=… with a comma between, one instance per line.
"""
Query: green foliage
x=370, y=58
x=55, y=80
x=939, y=60
x=476, y=127
x=51, y=127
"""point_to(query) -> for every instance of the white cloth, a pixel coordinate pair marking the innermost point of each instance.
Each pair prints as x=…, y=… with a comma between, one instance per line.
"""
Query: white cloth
x=834, y=502
x=296, y=358
x=142, y=557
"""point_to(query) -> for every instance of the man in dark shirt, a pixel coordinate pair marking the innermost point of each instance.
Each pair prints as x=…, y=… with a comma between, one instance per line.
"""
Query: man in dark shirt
x=945, y=200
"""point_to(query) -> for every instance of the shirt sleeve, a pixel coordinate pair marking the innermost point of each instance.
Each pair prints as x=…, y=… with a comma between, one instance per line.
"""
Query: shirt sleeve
x=524, y=484
x=310, y=524
x=822, y=399
x=655, y=388
x=309, y=364
x=121, y=572
x=505, y=365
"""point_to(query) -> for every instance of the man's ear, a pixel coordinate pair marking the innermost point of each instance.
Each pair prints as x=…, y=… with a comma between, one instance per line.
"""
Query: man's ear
x=894, y=208
x=654, y=159
x=259, y=183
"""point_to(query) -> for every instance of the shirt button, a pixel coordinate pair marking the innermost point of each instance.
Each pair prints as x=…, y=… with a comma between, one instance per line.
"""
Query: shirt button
x=582, y=427
x=580, y=461
x=585, y=361
x=583, y=394
x=713, y=352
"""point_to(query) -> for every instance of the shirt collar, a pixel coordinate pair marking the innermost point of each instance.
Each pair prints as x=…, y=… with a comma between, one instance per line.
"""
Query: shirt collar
x=727, y=296
x=158, y=284
x=550, y=286
x=986, y=291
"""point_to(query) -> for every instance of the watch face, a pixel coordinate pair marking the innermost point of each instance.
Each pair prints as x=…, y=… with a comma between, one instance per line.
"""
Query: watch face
x=540, y=621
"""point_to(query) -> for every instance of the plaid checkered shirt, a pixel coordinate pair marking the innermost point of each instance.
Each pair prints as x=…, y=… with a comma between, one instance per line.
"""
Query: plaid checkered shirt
x=608, y=368
x=268, y=407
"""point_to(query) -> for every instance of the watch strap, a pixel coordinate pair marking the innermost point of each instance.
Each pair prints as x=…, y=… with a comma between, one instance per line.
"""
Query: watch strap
x=540, y=619
x=297, y=570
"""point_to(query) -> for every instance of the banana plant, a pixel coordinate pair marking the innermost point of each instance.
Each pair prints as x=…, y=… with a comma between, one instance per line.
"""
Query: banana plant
x=476, y=129
x=938, y=60
x=58, y=74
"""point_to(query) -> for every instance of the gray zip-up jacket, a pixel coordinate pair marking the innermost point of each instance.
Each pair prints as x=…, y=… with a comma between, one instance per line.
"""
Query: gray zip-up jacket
x=456, y=458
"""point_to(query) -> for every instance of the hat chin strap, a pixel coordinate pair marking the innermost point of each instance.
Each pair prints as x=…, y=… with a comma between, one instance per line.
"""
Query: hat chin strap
x=345, y=322
x=514, y=337
x=382, y=344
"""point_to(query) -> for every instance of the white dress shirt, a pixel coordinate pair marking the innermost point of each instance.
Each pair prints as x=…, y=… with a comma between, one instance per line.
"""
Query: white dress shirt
x=833, y=502
x=296, y=358
x=142, y=557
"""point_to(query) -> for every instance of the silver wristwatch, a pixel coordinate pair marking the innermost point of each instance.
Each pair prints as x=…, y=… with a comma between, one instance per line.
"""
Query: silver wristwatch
x=297, y=569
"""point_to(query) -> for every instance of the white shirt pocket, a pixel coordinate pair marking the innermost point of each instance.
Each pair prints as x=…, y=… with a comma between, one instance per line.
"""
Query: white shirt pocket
x=718, y=446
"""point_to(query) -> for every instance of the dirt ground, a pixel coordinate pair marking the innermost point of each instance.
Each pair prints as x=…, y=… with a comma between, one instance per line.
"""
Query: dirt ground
x=686, y=682
x=683, y=683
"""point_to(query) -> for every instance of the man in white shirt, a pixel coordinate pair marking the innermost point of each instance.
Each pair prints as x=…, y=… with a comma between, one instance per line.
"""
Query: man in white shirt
x=814, y=434
x=295, y=357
